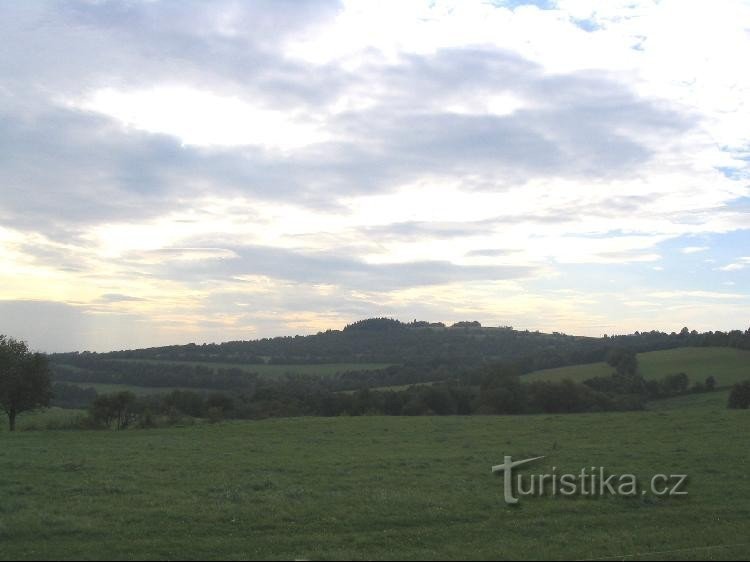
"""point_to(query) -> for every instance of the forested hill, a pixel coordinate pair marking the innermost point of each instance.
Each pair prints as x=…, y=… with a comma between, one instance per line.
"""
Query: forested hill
x=383, y=340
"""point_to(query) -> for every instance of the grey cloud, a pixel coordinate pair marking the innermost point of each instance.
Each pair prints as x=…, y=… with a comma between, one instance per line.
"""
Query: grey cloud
x=54, y=326
x=579, y=125
x=415, y=230
x=334, y=269
x=117, y=297
x=63, y=170
x=82, y=169
x=491, y=252
x=54, y=256
x=629, y=255
x=292, y=298
x=58, y=47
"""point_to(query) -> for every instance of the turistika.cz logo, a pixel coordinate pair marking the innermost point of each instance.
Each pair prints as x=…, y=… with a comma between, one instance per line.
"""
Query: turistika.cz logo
x=590, y=481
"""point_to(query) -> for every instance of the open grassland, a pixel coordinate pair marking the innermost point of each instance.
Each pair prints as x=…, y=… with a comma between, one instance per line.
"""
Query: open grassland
x=43, y=419
x=375, y=488
x=726, y=365
x=717, y=399
x=323, y=369
x=108, y=388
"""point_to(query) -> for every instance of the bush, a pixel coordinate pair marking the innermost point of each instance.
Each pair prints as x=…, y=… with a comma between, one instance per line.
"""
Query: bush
x=146, y=420
x=117, y=409
x=739, y=397
x=215, y=414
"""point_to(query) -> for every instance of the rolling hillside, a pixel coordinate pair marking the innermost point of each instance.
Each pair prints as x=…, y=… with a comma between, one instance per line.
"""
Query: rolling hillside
x=726, y=365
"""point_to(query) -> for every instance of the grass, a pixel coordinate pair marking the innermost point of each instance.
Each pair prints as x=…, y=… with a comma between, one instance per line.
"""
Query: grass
x=43, y=419
x=716, y=399
x=108, y=388
x=325, y=369
x=375, y=488
x=726, y=365
x=393, y=388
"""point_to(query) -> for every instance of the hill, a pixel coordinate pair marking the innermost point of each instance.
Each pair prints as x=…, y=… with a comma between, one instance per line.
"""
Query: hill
x=382, y=341
x=302, y=372
x=726, y=365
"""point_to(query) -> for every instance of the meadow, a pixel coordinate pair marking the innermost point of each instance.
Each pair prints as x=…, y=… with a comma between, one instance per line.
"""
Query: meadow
x=264, y=370
x=274, y=370
x=49, y=418
x=108, y=388
x=376, y=488
x=726, y=365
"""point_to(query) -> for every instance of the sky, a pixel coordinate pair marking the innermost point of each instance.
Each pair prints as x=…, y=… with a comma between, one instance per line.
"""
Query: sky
x=194, y=171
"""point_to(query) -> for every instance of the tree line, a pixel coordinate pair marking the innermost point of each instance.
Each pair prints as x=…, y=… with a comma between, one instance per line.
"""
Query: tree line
x=419, y=343
x=493, y=390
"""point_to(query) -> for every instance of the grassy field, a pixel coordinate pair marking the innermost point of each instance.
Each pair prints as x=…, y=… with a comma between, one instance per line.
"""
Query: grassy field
x=107, y=388
x=726, y=365
x=375, y=488
x=42, y=419
x=325, y=369
x=718, y=399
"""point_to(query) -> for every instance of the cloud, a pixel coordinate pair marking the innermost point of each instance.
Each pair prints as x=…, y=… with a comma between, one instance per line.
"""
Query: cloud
x=158, y=159
x=740, y=264
x=697, y=295
x=117, y=297
x=694, y=249
x=330, y=268
x=55, y=326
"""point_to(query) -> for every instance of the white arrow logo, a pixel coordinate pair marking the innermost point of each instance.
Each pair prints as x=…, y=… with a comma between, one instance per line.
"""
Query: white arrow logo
x=508, y=465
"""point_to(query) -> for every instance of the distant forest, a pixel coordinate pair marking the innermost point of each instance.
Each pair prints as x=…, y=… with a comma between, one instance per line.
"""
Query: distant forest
x=473, y=369
x=384, y=340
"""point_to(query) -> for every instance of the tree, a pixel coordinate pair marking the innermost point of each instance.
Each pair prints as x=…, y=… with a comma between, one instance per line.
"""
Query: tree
x=739, y=397
x=675, y=384
x=25, y=380
x=113, y=408
x=623, y=360
x=501, y=391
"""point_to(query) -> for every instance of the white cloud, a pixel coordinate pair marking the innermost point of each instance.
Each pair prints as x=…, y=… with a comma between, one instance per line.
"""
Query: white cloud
x=740, y=264
x=445, y=157
x=697, y=295
x=694, y=249
x=204, y=118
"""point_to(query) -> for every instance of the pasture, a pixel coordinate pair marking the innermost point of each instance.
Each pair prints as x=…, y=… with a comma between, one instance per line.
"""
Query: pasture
x=726, y=365
x=375, y=488
x=272, y=370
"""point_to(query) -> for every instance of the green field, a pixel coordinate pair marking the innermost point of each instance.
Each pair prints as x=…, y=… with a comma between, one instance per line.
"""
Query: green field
x=726, y=365
x=323, y=369
x=717, y=399
x=43, y=419
x=108, y=388
x=374, y=488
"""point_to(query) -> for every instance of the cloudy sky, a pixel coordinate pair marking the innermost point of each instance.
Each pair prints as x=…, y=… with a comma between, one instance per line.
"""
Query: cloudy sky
x=177, y=171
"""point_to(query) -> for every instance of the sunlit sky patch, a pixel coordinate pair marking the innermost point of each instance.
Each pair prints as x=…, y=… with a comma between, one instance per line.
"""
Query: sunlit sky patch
x=208, y=171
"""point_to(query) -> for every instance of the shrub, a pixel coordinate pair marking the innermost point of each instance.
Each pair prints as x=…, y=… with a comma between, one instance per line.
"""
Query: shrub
x=739, y=397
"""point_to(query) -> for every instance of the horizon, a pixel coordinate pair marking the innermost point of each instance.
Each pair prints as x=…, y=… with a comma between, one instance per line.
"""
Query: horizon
x=190, y=172
x=406, y=323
